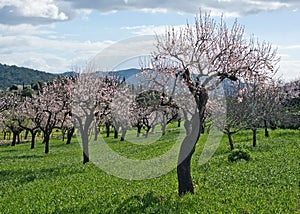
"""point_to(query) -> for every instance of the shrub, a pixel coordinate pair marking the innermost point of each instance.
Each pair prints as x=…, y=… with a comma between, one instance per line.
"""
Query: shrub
x=238, y=154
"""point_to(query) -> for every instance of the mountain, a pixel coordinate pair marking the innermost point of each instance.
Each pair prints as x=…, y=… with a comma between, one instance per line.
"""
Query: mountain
x=14, y=75
x=121, y=74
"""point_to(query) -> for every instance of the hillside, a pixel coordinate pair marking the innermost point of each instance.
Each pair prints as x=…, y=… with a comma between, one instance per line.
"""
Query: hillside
x=10, y=75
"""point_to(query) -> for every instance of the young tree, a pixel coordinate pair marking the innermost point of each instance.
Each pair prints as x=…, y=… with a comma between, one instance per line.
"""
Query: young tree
x=90, y=101
x=9, y=114
x=30, y=118
x=208, y=53
x=53, y=106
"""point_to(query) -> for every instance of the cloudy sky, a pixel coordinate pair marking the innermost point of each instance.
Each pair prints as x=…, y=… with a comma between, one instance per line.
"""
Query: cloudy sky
x=56, y=35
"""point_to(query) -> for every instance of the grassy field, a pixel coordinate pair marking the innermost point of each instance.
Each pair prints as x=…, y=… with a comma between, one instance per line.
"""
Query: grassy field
x=32, y=182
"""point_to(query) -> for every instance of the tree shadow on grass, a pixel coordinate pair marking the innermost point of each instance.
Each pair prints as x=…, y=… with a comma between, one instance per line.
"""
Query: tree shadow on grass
x=22, y=176
x=17, y=157
x=149, y=203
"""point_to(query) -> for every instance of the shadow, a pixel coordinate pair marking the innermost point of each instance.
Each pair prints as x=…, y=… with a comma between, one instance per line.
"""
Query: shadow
x=8, y=150
x=17, y=157
x=6, y=144
x=21, y=176
x=138, y=204
x=149, y=203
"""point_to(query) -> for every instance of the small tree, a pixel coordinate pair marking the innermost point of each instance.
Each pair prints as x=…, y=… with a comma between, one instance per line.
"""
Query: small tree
x=91, y=96
x=53, y=106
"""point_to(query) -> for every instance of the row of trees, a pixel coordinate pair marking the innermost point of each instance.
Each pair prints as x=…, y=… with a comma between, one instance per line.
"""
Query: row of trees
x=254, y=106
x=85, y=102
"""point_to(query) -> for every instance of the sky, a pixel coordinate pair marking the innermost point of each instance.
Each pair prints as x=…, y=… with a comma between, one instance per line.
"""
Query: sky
x=58, y=35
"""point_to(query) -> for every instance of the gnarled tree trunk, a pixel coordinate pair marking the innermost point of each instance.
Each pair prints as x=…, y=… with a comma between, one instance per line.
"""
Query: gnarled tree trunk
x=193, y=130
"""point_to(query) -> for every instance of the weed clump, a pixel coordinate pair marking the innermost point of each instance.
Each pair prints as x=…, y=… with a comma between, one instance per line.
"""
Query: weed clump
x=239, y=154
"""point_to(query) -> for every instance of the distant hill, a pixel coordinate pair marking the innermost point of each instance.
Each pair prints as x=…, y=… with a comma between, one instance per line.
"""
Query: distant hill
x=14, y=75
x=127, y=73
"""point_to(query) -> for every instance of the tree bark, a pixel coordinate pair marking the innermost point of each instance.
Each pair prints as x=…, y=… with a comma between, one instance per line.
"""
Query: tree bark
x=63, y=132
x=230, y=139
x=18, y=138
x=70, y=134
x=266, y=129
x=14, y=140
x=139, y=130
x=26, y=134
x=33, y=134
x=107, y=126
x=163, y=128
x=187, y=148
x=85, y=148
x=46, y=141
x=254, y=137
x=147, y=131
x=96, y=128
x=124, y=130
x=116, y=132
x=179, y=123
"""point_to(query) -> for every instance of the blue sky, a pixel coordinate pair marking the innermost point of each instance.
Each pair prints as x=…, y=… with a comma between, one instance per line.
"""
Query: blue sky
x=56, y=35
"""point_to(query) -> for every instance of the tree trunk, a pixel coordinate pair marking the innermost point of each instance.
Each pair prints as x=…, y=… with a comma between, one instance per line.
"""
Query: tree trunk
x=26, y=135
x=163, y=128
x=139, y=130
x=96, y=132
x=266, y=129
x=116, y=132
x=230, y=139
x=70, y=134
x=147, y=131
x=153, y=129
x=85, y=148
x=18, y=138
x=185, y=182
x=179, y=123
x=187, y=148
x=14, y=140
x=107, y=126
x=254, y=137
x=124, y=130
x=46, y=141
x=33, y=134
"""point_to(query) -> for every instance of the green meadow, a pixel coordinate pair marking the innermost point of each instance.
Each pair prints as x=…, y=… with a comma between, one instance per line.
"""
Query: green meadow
x=33, y=182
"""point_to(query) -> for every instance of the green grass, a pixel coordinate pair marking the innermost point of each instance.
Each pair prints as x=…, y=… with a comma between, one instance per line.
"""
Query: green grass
x=32, y=182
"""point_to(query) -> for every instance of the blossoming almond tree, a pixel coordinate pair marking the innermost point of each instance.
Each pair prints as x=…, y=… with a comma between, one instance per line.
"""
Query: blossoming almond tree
x=53, y=104
x=208, y=53
x=91, y=96
x=9, y=114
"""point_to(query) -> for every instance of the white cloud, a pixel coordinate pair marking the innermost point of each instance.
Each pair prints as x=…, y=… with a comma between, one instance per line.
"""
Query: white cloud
x=42, y=8
x=290, y=61
x=52, y=55
x=31, y=11
x=48, y=11
x=149, y=29
x=231, y=7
